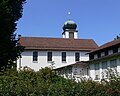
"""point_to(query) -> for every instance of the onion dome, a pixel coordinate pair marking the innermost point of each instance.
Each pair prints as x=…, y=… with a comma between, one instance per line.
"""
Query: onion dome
x=69, y=24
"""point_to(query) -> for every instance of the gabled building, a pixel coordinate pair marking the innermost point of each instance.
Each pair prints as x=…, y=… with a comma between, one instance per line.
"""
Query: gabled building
x=43, y=52
x=70, y=56
x=103, y=58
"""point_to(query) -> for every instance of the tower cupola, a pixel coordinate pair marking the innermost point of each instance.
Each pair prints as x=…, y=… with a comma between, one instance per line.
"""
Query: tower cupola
x=69, y=24
x=69, y=30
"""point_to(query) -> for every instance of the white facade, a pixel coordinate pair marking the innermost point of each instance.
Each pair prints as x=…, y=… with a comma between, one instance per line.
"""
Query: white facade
x=77, y=71
x=67, y=34
x=80, y=72
x=103, y=66
x=27, y=59
x=105, y=60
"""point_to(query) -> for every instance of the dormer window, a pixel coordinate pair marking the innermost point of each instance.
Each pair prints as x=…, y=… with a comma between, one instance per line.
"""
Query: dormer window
x=110, y=52
x=102, y=53
x=95, y=56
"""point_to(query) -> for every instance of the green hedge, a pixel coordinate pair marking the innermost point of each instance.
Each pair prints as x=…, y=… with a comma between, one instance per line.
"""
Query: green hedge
x=46, y=83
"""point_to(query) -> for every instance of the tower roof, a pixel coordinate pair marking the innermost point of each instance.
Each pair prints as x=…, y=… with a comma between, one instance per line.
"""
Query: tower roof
x=69, y=24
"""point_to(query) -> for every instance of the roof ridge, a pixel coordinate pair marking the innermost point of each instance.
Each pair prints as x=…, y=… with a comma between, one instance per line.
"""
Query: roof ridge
x=110, y=42
x=55, y=38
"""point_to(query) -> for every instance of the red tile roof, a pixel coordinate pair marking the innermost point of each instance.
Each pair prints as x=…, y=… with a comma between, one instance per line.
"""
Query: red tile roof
x=38, y=43
x=106, y=45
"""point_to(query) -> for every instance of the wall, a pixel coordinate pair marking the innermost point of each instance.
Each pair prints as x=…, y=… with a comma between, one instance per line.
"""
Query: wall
x=84, y=56
x=92, y=67
x=27, y=58
x=80, y=72
x=66, y=35
x=75, y=71
x=75, y=35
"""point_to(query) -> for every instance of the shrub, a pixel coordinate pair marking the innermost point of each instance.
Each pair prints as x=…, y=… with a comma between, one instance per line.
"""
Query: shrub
x=45, y=82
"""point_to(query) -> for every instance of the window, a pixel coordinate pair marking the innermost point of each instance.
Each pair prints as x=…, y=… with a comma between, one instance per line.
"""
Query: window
x=115, y=50
x=63, y=56
x=104, y=69
x=77, y=56
x=49, y=56
x=98, y=55
x=71, y=35
x=106, y=52
x=97, y=71
x=119, y=49
x=104, y=65
x=110, y=52
x=96, y=66
x=95, y=56
x=35, y=56
x=102, y=53
x=91, y=56
x=87, y=71
x=113, y=63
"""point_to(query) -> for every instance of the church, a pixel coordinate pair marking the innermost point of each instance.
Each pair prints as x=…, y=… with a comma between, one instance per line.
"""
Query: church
x=70, y=56
x=42, y=52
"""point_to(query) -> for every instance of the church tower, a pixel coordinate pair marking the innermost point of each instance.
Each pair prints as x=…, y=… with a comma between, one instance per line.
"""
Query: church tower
x=69, y=30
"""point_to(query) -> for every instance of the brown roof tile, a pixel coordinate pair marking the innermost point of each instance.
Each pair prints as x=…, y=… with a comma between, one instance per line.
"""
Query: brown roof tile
x=39, y=43
x=106, y=45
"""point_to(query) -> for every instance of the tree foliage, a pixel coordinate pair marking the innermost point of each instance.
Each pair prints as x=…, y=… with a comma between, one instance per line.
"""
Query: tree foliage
x=10, y=13
x=46, y=83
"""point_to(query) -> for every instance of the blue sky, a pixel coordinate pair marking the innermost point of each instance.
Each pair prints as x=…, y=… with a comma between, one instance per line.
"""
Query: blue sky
x=96, y=19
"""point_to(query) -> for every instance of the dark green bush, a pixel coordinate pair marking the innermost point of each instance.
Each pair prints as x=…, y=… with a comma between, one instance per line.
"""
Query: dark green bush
x=46, y=83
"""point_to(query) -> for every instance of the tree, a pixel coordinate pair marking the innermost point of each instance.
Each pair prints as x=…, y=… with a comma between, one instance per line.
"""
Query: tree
x=10, y=13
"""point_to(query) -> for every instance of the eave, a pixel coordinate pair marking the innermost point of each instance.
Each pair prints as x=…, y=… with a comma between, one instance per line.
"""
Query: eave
x=105, y=57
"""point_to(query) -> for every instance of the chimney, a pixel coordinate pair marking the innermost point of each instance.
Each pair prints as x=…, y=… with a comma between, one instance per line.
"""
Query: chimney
x=19, y=36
